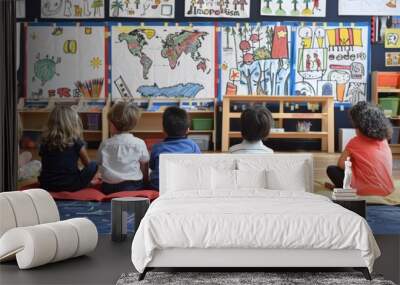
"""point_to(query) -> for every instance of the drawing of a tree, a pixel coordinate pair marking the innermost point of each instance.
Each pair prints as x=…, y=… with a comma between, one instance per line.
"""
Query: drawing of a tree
x=126, y=2
x=227, y=31
x=307, y=11
x=267, y=8
x=200, y=3
x=280, y=11
x=96, y=6
x=242, y=3
x=116, y=7
x=295, y=11
x=137, y=3
x=236, y=3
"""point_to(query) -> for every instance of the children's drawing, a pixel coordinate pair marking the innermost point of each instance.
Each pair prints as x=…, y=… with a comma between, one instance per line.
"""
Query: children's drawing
x=142, y=8
x=72, y=9
x=218, y=8
x=332, y=61
x=392, y=59
x=380, y=24
x=163, y=61
x=59, y=57
x=255, y=59
x=392, y=38
x=369, y=7
x=293, y=8
x=20, y=9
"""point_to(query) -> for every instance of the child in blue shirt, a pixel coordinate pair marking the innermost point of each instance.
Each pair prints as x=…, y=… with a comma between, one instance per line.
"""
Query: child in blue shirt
x=176, y=126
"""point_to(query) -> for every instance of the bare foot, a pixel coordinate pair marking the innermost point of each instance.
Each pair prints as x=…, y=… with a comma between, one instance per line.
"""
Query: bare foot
x=329, y=186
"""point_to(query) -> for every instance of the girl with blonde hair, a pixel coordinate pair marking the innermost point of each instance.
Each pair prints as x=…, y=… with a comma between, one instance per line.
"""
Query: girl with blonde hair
x=61, y=148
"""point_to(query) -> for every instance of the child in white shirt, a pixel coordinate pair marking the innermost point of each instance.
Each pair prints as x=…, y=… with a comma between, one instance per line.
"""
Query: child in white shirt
x=256, y=125
x=123, y=158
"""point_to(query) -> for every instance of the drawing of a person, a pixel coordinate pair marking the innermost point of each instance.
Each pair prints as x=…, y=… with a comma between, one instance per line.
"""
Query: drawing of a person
x=242, y=3
x=86, y=8
x=68, y=8
x=317, y=61
x=316, y=6
x=308, y=63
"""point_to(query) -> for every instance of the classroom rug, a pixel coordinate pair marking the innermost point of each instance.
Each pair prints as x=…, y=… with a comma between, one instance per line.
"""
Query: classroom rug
x=381, y=219
x=243, y=278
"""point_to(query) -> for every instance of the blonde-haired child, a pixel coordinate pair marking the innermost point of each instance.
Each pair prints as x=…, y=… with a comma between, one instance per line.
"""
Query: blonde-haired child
x=123, y=158
x=61, y=148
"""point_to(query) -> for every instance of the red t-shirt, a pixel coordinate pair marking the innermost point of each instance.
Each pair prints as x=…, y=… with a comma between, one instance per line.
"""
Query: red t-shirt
x=372, y=166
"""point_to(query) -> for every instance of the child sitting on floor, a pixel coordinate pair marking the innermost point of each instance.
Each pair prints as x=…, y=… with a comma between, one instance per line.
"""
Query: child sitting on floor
x=256, y=125
x=176, y=127
x=123, y=158
x=61, y=148
x=369, y=151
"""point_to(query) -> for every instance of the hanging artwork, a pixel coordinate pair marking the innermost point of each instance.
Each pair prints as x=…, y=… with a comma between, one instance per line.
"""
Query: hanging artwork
x=72, y=9
x=379, y=25
x=218, y=8
x=392, y=38
x=332, y=61
x=163, y=61
x=142, y=8
x=65, y=61
x=369, y=7
x=254, y=59
x=293, y=8
x=20, y=9
x=392, y=59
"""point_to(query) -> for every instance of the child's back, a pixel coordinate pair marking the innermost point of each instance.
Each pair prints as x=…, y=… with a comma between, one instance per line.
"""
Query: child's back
x=176, y=125
x=256, y=124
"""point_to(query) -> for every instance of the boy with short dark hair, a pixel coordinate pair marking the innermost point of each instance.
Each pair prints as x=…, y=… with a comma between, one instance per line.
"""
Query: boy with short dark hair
x=176, y=126
x=256, y=125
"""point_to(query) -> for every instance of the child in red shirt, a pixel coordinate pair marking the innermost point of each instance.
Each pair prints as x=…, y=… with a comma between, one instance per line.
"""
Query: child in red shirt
x=369, y=151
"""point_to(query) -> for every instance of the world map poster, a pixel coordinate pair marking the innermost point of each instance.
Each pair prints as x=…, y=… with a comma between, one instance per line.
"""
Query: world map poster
x=255, y=59
x=218, y=8
x=142, y=8
x=161, y=61
x=65, y=61
x=333, y=60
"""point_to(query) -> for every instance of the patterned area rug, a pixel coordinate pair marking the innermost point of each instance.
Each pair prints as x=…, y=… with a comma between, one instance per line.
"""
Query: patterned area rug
x=243, y=278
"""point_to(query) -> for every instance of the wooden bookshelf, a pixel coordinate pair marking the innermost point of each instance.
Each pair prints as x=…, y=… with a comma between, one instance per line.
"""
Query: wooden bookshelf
x=34, y=119
x=387, y=84
x=326, y=135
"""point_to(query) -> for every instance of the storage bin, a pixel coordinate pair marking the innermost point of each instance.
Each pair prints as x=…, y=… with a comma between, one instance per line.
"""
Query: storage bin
x=204, y=124
x=390, y=105
x=203, y=141
x=389, y=80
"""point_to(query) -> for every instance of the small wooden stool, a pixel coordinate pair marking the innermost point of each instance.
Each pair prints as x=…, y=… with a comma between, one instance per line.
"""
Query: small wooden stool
x=119, y=215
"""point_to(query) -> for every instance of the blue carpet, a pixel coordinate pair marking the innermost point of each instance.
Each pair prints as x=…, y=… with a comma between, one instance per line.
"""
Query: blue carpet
x=382, y=219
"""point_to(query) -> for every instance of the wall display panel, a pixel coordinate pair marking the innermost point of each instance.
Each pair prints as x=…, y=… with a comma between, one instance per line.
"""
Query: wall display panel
x=161, y=61
x=218, y=8
x=332, y=60
x=142, y=8
x=293, y=8
x=72, y=9
x=65, y=61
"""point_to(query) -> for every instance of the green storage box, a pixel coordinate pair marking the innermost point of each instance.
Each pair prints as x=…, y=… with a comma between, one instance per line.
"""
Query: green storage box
x=202, y=124
x=390, y=105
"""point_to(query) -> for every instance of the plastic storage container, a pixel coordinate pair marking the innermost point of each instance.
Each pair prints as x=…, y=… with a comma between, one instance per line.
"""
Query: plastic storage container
x=202, y=124
x=203, y=141
x=390, y=105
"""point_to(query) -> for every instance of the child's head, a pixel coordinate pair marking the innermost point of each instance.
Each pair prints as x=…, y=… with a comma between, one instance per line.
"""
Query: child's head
x=370, y=121
x=256, y=123
x=64, y=126
x=123, y=116
x=175, y=122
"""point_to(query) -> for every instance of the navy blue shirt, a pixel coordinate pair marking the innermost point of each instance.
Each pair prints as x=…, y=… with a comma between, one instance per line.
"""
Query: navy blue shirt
x=60, y=167
x=169, y=145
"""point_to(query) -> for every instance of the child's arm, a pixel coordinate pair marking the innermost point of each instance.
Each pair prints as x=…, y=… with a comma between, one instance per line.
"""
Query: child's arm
x=83, y=155
x=343, y=158
x=144, y=167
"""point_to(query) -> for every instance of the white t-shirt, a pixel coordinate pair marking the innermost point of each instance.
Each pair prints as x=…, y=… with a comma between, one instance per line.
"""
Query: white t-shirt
x=250, y=147
x=119, y=158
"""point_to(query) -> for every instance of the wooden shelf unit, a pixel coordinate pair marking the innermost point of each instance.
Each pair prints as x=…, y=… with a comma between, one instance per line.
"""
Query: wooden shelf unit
x=326, y=116
x=34, y=120
x=384, y=83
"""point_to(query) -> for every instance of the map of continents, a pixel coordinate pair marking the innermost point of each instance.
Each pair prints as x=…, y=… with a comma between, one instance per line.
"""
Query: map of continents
x=173, y=46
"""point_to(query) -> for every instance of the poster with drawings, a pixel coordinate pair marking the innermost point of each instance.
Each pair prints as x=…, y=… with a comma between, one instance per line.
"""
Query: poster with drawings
x=65, y=61
x=163, y=61
x=218, y=8
x=369, y=7
x=72, y=9
x=142, y=8
x=293, y=8
x=20, y=9
x=255, y=59
x=332, y=61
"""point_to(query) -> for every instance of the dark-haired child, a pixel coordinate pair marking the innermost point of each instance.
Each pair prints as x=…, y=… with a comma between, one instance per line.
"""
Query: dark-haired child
x=369, y=151
x=176, y=126
x=256, y=125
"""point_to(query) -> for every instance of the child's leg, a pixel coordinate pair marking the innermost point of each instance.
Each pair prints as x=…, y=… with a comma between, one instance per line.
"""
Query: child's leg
x=336, y=175
x=123, y=186
x=87, y=174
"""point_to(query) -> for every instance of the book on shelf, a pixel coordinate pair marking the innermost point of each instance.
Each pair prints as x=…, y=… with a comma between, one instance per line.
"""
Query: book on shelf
x=341, y=190
x=335, y=196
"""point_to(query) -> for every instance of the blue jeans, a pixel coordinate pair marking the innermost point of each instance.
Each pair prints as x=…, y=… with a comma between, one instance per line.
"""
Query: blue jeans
x=130, y=185
x=87, y=174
